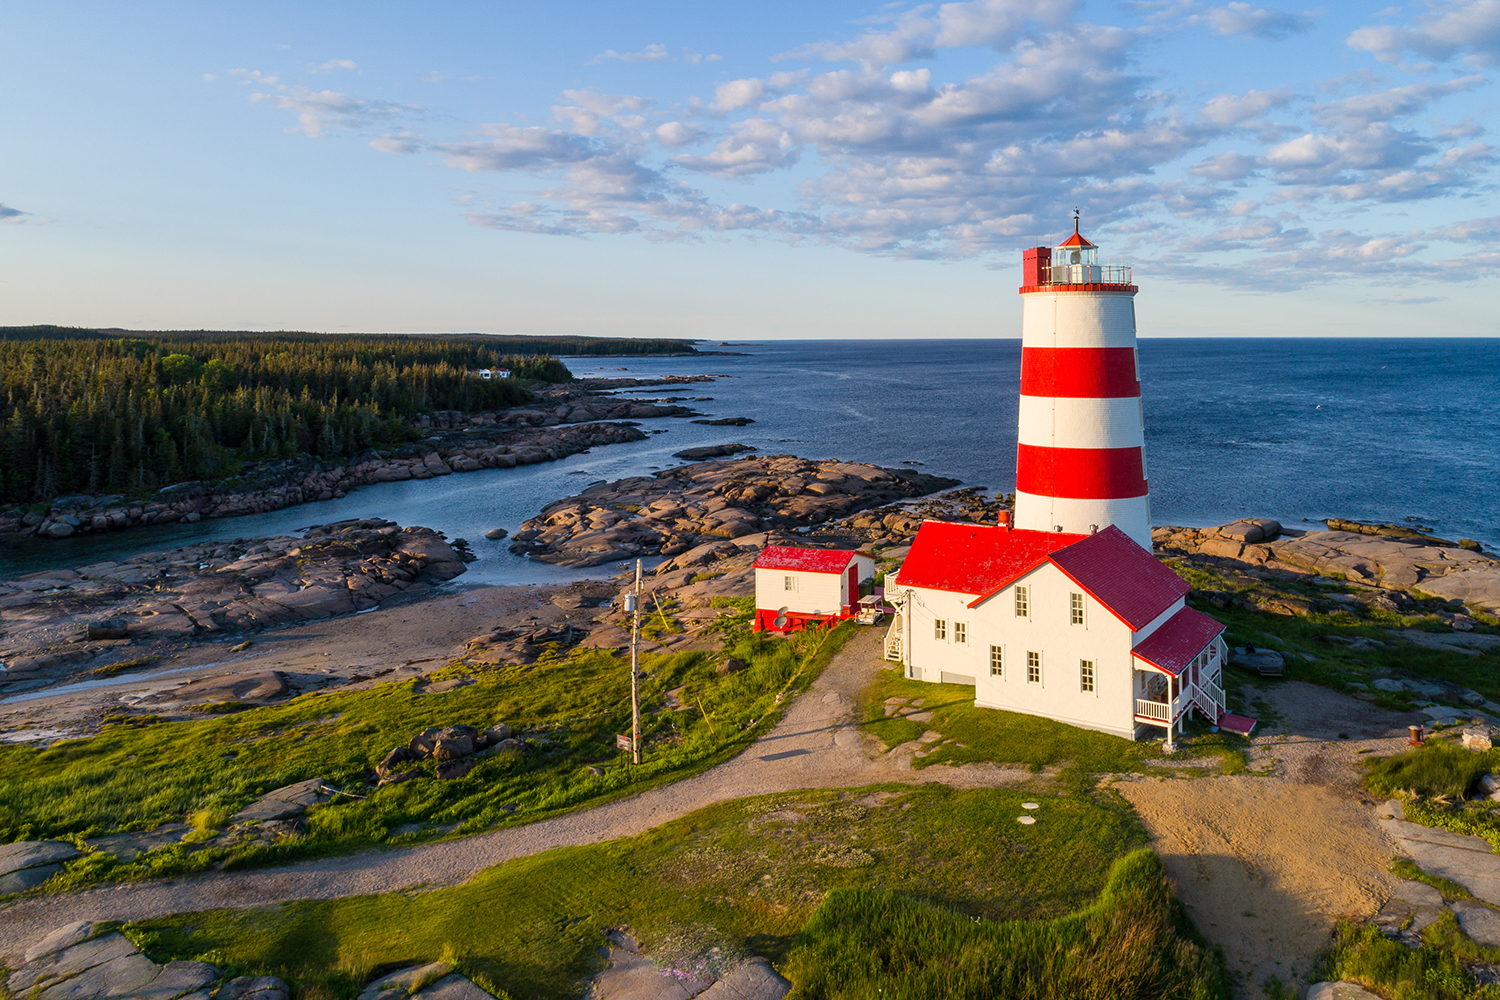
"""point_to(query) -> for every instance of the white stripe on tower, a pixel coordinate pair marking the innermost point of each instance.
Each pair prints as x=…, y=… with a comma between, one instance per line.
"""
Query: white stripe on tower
x=1080, y=456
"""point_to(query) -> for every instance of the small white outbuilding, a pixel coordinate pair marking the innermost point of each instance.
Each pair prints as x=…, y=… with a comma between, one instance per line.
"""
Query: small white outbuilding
x=795, y=587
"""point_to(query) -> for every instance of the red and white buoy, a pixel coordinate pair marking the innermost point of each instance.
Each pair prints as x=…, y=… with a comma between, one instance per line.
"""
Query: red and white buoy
x=1080, y=463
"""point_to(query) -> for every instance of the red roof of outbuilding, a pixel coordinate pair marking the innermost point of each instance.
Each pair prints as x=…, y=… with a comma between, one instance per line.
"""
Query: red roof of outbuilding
x=1122, y=576
x=976, y=558
x=1178, y=641
x=805, y=560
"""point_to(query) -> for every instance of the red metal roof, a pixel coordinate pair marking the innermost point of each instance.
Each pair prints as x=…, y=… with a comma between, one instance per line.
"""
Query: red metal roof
x=1076, y=240
x=1122, y=576
x=976, y=558
x=1178, y=641
x=805, y=560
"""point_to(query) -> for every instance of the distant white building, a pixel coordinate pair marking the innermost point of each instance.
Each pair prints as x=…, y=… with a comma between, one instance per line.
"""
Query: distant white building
x=1091, y=630
x=489, y=373
x=797, y=587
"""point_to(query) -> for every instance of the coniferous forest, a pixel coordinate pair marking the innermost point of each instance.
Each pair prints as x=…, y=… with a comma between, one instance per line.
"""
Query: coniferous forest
x=96, y=412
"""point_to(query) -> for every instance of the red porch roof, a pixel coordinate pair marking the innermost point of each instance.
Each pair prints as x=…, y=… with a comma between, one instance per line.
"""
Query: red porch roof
x=1177, y=642
x=976, y=558
x=1122, y=576
x=805, y=560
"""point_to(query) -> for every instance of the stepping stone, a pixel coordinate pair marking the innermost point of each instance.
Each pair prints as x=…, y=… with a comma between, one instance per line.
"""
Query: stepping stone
x=1469, y=861
x=34, y=853
x=1026, y=820
x=1340, y=991
x=1030, y=805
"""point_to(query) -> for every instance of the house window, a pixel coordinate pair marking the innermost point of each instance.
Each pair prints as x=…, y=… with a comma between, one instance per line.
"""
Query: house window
x=961, y=632
x=1075, y=609
x=997, y=661
x=940, y=628
x=1086, y=676
x=789, y=583
x=1023, y=603
x=1033, y=667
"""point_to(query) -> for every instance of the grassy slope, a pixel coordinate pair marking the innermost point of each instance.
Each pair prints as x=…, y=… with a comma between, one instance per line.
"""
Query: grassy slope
x=137, y=778
x=913, y=866
x=987, y=734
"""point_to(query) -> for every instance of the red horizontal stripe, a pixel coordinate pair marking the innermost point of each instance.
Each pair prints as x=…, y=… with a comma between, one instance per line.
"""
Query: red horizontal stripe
x=1080, y=473
x=1080, y=372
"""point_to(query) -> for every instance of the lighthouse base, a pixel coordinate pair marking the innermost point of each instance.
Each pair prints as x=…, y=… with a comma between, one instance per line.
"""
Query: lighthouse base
x=1131, y=514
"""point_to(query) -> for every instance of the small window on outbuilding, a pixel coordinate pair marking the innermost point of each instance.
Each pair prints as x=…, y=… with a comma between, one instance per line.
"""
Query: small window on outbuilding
x=789, y=583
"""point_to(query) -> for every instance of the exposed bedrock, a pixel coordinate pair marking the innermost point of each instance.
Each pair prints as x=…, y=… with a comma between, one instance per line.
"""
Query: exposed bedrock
x=679, y=509
x=203, y=590
x=1415, y=564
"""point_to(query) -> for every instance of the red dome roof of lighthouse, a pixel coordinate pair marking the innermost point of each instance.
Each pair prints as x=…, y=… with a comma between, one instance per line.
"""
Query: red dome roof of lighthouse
x=1076, y=240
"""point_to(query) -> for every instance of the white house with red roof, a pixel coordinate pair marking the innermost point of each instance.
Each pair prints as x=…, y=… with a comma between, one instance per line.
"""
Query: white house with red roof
x=1090, y=630
x=797, y=587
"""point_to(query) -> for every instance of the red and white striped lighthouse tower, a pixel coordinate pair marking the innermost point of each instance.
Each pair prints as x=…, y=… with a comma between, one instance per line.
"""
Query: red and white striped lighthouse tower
x=1080, y=465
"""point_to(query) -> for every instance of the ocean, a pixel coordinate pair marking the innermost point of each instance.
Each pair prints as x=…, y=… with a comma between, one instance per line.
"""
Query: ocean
x=1300, y=430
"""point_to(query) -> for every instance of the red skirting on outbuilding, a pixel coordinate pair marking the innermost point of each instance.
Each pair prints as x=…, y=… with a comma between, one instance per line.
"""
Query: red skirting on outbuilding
x=766, y=621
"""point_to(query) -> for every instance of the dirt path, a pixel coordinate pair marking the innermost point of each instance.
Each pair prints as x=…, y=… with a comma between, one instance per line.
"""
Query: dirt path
x=1267, y=865
x=815, y=746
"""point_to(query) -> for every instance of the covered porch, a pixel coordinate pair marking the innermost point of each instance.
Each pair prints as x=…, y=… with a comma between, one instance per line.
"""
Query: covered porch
x=1179, y=669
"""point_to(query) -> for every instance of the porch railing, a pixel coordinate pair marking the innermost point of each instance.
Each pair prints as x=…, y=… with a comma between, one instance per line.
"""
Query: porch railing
x=1158, y=711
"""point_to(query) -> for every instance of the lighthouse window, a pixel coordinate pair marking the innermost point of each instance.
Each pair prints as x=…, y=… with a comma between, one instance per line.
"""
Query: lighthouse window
x=789, y=583
x=1023, y=603
x=1033, y=667
x=1086, y=676
x=997, y=661
x=961, y=632
x=940, y=628
x=1075, y=610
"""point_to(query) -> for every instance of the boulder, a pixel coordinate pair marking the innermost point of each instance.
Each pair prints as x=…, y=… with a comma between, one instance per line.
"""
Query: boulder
x=1266, y=662
x=254, y=988
x=398, y=755
x=108, y=630
x=403, y=982
x=284, y=803
x=451, y=769
x=495, y=534
x=1340, y=991
x=1479, y=738
x=729, y=666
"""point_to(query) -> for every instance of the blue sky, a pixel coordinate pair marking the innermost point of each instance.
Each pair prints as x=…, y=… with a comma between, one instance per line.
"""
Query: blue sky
x=758, y=170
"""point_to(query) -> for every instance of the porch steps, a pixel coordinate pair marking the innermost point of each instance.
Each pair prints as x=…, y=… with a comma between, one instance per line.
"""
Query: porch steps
x=1236, y=723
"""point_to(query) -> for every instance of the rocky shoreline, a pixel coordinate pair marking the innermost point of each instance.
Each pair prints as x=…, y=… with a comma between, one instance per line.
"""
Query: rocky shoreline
x=565, y=420
x=56, y=622
x=679, y=509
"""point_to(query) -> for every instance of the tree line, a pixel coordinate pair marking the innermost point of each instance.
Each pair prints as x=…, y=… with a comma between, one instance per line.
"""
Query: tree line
x=89, y=412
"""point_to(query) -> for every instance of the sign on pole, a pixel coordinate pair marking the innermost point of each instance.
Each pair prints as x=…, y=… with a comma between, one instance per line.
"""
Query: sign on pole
x=624, y=743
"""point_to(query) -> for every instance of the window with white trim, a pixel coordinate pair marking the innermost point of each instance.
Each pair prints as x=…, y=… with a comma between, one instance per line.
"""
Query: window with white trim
x=1075, y=609
x=1086, y=676
x=1023, y=602
x=997, y=661
x=940, y=629
x=961, y=632
x=1033, y=667
x=789, y=583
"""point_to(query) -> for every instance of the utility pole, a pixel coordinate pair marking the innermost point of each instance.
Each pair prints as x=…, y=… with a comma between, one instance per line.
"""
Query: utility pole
x=635, y=673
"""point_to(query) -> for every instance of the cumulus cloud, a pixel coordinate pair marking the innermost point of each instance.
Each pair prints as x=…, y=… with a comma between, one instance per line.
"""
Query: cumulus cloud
x=1254, y=22
x=996, y=24
x=333, y=64
x=1467, y=29
x=321, y=112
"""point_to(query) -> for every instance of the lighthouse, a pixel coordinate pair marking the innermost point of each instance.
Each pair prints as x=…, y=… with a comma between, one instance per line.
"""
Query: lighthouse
x=1080, y=462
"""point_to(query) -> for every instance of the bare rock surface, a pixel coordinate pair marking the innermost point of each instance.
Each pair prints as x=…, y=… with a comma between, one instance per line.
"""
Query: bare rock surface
x=284, y=803
x=72, y=963
x=680, y=509
x=1340, y=991
x=208, y=590
x=28, y=863
x=1460, y=858
x=1398, y=562
x=631, y=975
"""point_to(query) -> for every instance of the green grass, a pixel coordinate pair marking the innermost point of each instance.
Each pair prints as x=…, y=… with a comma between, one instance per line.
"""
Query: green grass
x=985, y=734
x=800, y=878
x=1439, y=768
x=1435, y=971
x=1407, y=869
x=135, y=776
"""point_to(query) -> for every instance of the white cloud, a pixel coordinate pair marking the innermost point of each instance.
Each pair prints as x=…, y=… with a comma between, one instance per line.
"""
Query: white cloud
x=674, y=135
x=320, y=112
x=655, y=52
x=1255, y=22
x=1226, y=167
x=1467, y=29
x=506, y=147
x=1237, y=109
x=402, y=144
x=754, y=146
x=738, y=94
x=333, y=64
x=209, y=76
